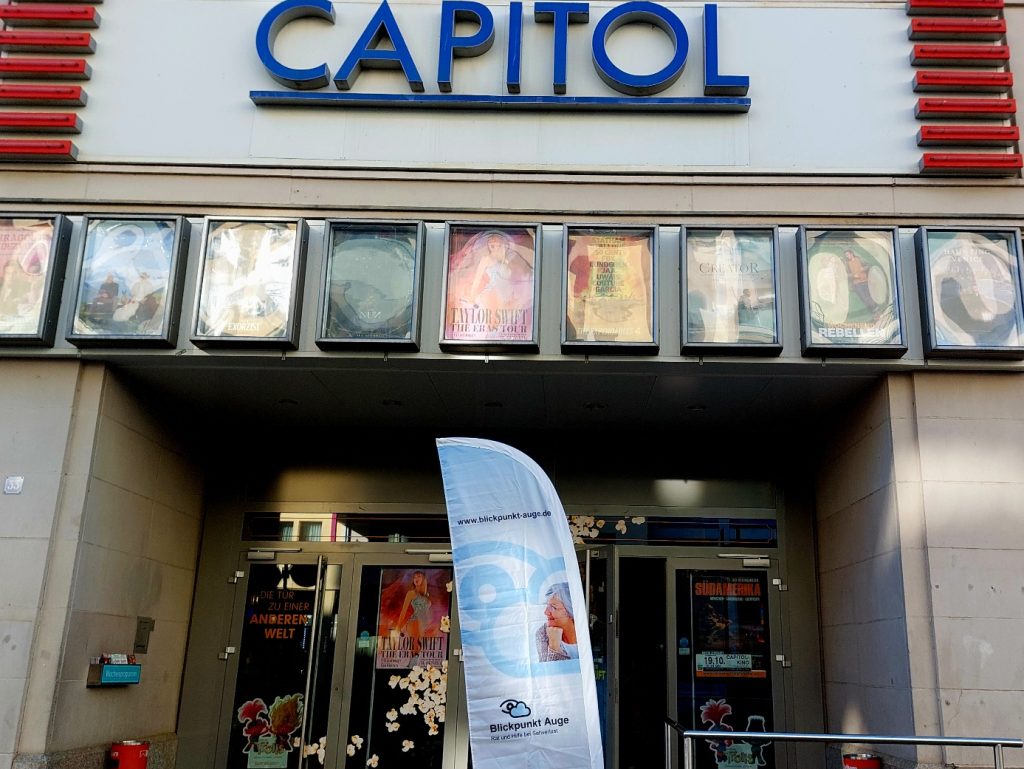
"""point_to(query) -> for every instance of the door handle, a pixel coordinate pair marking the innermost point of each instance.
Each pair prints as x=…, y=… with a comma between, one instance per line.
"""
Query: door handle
x=228, y=651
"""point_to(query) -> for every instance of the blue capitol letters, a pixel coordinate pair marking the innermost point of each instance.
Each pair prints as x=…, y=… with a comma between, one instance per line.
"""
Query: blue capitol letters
x=561, y=14
x=514, y=68
x=714, y=83
x=366, y=53
x=272, y=23
x=452, y=45
x=650, y=13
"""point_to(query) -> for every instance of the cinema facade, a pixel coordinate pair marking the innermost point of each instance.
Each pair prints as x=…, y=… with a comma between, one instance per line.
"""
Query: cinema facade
x=744, y=279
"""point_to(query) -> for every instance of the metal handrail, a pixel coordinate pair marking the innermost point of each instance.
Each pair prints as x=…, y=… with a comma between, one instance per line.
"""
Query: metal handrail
x=689, y=735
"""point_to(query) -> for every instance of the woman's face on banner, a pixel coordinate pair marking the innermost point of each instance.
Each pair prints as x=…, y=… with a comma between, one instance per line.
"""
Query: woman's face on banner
x=556, y=613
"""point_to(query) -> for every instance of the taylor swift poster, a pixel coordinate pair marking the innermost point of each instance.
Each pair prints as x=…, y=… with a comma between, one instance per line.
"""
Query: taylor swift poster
x=490, y=285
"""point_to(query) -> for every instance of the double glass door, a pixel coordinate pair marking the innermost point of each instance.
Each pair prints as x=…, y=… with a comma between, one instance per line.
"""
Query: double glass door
x=342, y=660
x=351, y=660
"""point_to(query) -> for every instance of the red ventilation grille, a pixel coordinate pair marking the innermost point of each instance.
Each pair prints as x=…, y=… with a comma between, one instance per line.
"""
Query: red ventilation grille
x=969, y=33
x=39, y=41
x=37, y=149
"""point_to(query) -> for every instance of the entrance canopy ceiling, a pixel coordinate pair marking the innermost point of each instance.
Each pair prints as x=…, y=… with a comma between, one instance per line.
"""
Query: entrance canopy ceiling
x=490, y=399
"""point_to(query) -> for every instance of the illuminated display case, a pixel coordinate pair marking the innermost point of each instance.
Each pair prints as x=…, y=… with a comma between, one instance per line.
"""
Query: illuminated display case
x=33, y=252
x=370, y=284
x=491, y=287
x=849, y=292
x=970, y=292
x=730, y=290
x=610, y=296
x=250, y=281
x=127, y=287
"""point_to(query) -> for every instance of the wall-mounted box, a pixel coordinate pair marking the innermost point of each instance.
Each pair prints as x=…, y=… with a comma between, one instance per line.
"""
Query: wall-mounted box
x=113, y=675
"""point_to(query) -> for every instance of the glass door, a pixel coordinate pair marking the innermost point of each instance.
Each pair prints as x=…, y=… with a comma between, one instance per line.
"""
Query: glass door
x=278, y=690
x=723, y=661
x=399, y=686
x=692, y=639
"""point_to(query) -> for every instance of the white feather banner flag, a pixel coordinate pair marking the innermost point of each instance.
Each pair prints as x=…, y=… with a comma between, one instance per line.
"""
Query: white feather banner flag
x=528, y=665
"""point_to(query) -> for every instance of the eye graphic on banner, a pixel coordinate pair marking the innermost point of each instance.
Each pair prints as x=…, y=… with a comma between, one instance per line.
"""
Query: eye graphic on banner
x=489, y=576
x=515, y=708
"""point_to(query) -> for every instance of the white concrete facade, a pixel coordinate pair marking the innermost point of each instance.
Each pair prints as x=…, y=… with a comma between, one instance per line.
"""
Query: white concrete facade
x=917, y=488
x=915, y=543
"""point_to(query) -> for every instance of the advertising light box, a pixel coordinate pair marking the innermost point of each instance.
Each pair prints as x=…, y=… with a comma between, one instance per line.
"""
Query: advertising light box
x=33, y=250
x=128, y=285
x=730, y=290
x=250, y=283
x=610, y=289
x=371, y=284
x=490, y=286
x=849, y=287
x=971, y=292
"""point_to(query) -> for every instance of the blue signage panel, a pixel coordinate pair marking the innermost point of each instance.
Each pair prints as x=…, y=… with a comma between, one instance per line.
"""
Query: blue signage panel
x=108, y=674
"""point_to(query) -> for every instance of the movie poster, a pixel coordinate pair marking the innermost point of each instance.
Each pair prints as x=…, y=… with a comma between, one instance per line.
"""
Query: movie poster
x=247, y=279
x=974, y=293
x=413, y=605
x=125, y=278
x=400, y=669
x=730, y=287
x=25, y=248
x=731, y=630
x=850, y=288
x=490, y=286
x=609, y=286
x=371, y=283
x=725, y=683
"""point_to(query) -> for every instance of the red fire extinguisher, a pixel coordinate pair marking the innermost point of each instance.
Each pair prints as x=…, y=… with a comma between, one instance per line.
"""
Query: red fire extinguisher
x=130, y=754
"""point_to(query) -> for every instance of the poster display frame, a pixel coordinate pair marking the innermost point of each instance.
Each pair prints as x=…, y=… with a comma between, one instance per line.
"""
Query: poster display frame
x=53, y=284
x=326, y=342
x=289, y=340
x=929, y=321
x=773, y=348
x=487, y=345
x=651, y=347
x=813, y=349
x=171, y=313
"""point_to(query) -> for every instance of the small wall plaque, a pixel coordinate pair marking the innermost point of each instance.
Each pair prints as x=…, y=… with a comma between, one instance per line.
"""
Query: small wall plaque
x=113, y=675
